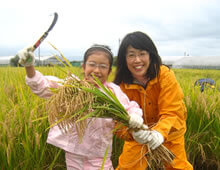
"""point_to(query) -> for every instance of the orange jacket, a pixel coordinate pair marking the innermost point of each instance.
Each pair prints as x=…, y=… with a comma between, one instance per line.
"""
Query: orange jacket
x=163, y=110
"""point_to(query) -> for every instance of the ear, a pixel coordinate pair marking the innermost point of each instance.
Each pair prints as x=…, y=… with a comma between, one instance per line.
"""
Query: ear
x=110, y=70
x=83, y=67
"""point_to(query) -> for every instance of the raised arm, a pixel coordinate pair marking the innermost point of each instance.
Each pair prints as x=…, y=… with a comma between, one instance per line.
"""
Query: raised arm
x=39, y=84
x=27, y=59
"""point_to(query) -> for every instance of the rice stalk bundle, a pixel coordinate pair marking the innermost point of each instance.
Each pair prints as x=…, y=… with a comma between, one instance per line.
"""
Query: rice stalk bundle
x=77, y=101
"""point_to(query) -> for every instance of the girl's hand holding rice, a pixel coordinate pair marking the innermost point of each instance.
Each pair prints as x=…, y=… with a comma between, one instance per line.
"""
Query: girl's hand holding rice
x=135, y=121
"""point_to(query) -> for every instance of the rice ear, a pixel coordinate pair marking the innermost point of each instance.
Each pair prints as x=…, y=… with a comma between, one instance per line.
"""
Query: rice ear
x=69, y=104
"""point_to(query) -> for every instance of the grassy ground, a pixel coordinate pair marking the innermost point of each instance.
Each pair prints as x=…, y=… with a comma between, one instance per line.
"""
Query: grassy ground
x=23, y=122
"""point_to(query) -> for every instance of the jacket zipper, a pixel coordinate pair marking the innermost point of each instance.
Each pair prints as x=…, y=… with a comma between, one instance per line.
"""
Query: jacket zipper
x=144, y=112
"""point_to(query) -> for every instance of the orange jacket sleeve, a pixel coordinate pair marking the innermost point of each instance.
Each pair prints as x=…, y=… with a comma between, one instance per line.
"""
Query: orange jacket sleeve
x=172, y=111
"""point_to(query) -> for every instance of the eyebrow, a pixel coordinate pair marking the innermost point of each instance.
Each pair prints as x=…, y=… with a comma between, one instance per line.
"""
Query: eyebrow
x=130, y=51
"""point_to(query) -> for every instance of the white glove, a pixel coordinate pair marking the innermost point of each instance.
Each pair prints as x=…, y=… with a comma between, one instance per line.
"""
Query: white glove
x=153, y=138
x=26, y=57
x=142, y=136
x=135, y=121
x=156, y=139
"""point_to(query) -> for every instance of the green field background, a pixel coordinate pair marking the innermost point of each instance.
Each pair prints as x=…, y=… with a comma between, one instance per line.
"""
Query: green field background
x=24, y=125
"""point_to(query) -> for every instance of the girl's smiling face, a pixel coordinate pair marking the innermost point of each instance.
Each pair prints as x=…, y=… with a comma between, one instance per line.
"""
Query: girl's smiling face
x=97, y=64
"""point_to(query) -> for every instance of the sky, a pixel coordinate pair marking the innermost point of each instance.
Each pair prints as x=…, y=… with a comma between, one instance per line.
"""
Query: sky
x=177, y=27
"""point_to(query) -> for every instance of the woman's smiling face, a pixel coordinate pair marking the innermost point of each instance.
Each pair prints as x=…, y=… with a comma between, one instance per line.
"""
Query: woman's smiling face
x=138, y=62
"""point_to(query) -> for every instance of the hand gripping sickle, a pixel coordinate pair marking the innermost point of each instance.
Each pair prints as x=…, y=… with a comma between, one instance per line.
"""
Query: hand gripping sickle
x=26, y=56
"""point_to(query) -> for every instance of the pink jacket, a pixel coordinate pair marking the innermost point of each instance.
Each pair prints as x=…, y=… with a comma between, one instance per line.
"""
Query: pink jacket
x=97, y=136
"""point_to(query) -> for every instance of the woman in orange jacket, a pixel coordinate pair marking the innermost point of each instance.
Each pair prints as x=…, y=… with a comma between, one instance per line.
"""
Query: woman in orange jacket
x=153, y=86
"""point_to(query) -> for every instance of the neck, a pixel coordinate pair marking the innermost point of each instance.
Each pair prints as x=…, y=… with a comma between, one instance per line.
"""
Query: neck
x=142, y=81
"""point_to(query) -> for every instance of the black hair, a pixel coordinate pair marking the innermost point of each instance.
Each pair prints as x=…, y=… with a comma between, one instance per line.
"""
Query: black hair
x=141, y=41
x=97, y=47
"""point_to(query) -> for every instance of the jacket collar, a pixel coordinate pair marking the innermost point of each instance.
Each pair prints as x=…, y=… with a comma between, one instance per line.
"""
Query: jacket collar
x=137, y=84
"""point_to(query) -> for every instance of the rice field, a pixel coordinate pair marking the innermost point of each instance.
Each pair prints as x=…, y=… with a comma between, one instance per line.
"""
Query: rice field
x=24, y=124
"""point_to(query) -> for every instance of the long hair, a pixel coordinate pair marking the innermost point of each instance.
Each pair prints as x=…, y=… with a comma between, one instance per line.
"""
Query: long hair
x=141, y=41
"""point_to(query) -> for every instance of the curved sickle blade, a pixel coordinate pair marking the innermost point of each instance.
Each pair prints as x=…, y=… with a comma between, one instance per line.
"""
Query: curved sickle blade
x=53, y=23
x=37, y=44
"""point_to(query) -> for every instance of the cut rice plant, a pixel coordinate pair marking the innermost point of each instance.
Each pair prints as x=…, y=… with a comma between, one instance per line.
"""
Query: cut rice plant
x=68, y=100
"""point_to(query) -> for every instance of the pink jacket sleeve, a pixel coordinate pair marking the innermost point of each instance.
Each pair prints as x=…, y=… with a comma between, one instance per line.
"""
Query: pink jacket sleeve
x=130, y=106
x=40, y=85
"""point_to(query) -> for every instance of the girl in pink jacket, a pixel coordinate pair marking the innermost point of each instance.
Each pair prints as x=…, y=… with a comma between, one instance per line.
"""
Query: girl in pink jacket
x=88, y=154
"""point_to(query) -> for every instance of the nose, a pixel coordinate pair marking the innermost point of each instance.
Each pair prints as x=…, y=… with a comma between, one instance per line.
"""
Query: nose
x=137, y=58
x=96, y=69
